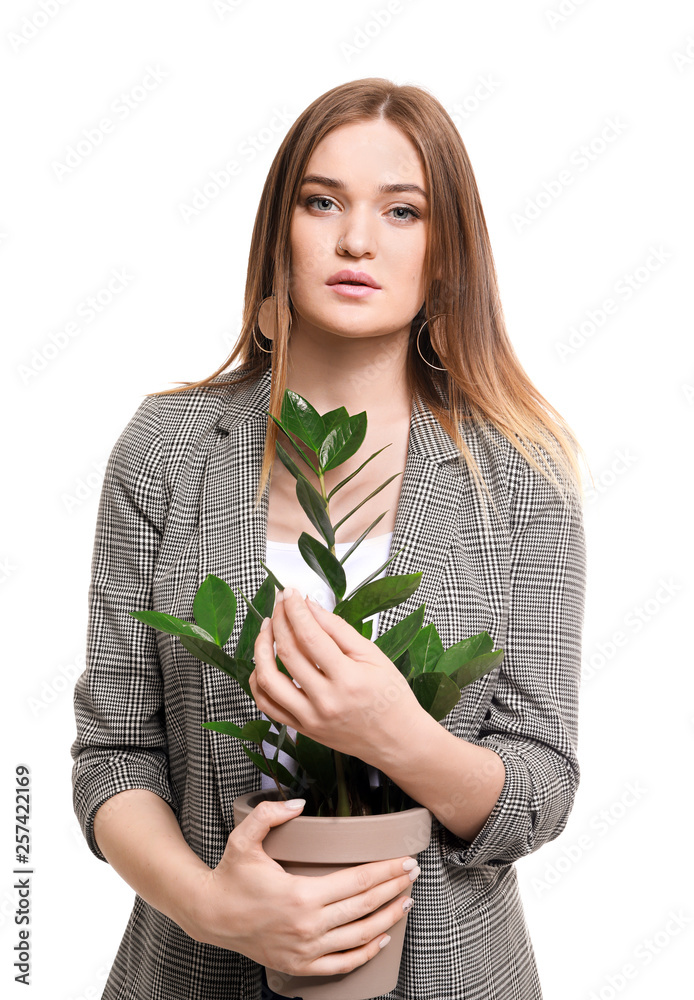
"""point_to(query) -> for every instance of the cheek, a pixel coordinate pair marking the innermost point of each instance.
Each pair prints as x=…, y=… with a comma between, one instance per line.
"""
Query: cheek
x=308, y=254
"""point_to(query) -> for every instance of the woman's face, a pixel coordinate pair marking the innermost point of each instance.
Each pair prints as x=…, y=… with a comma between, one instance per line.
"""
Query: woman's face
x=383, y=233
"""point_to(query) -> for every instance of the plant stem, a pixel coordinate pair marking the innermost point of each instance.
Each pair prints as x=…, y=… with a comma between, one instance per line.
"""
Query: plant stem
x=272, y=773
x=343, y=801
x=343, y=805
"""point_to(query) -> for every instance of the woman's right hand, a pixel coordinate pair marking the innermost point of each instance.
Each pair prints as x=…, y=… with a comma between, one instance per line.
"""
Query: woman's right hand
x=299, y=925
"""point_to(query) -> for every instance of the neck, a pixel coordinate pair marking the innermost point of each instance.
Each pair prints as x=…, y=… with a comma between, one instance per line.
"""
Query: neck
x=365, y=373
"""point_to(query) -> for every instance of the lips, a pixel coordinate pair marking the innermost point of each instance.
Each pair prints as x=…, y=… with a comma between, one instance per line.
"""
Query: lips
x=352, y=278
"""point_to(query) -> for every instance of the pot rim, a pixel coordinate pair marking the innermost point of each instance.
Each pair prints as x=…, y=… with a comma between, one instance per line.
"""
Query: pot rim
x=274, y=796
x=341, y=839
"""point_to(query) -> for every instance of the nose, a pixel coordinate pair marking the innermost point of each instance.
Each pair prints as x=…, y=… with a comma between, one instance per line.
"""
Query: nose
x=357, y=239
x=348, y=247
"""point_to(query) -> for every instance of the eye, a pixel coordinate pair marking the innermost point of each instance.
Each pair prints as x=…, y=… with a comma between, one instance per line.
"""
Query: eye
x=314, y=199
x=405, y=208
x=413, y=213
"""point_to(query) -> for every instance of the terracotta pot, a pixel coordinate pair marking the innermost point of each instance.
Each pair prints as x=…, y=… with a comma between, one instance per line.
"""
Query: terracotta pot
x=320, y=845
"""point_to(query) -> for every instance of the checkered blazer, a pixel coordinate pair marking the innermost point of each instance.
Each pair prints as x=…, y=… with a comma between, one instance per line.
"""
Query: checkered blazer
x=177, y=504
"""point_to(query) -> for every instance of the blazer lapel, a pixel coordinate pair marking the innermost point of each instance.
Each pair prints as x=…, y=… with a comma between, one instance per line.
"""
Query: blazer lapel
x=434, y=490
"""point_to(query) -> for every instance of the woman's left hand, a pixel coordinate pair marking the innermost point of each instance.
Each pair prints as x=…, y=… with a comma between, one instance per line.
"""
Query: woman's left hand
x=358, y=702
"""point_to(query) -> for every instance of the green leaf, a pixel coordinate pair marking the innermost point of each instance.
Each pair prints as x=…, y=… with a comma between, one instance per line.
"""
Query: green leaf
x=478, y=667
x=252, y=610
x=361, y=538
x=302, y=419
x=168, y=623
x=324, y=563
x=375, y=573
x=304, y=458
x=463, y=651
x=318, y=761
x=275, y=582
x=366, y=628
x=284, y=776
x=377, y=596
x=255, y=730
x=289, y=462
x=334, y=417
x=343, y=441
x=361, y=504
x=259, y=608
x=425, y=651
x=404, y=664
x=283, y=737
x=214, y=608
x=210, y=652
x=316, y=509
x=436, y=693
x=356, y=471
x=397, y=639
x=282, y=741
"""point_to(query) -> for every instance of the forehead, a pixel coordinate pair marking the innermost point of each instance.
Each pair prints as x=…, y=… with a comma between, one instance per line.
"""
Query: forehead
x=368, y=154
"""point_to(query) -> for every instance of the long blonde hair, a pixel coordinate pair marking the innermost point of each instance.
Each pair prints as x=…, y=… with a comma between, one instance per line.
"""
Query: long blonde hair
x=483, y=378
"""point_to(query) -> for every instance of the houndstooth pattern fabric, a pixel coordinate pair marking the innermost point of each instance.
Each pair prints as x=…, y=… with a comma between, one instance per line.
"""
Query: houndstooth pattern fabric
x=176, y=504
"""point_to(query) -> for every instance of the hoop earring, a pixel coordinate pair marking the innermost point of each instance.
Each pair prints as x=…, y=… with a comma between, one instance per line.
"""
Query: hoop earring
x=417, y=342
x=263, y=349
x=265, y=322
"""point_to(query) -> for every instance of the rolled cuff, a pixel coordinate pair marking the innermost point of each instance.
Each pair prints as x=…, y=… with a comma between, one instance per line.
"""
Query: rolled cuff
x=527, y=814
x=97, y=775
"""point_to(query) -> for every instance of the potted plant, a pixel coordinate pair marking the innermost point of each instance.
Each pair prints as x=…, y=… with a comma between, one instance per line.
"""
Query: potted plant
x=345, y=821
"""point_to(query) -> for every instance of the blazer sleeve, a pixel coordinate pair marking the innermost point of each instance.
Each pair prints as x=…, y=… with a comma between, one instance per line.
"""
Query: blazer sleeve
x=118, y=699
x=532, y=721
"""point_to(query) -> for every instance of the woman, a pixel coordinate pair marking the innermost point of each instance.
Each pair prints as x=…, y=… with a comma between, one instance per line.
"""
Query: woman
x=372, y=179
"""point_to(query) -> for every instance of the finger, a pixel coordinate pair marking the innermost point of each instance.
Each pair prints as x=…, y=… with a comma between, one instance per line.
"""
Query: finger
x=304, y=669
x=367, y=916
x=350, y=641
x=268, y=705
x=349, y=882
x=276, y=694
x=310, y=638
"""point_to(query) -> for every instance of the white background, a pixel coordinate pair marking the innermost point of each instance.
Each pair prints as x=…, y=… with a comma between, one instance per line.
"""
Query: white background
x=528, y=84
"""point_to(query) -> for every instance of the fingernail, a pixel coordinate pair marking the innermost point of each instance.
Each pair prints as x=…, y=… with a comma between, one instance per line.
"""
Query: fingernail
x=409, y=864
x=415, y=873
x=288, y=591
x=295, y=803
x=385, y=941
x=407, y=903
x=280, y=596
x=266, y=622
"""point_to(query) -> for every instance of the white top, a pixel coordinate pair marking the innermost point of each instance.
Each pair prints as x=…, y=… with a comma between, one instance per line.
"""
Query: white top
x=288, y=565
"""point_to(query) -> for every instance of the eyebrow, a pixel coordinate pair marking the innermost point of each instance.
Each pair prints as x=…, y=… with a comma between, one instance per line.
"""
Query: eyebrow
x=336, y=183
